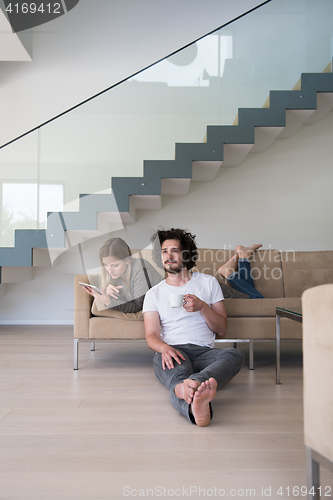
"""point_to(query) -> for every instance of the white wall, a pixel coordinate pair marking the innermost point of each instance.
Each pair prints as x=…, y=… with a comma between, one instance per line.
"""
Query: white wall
x=95, y=45
x=281, y=198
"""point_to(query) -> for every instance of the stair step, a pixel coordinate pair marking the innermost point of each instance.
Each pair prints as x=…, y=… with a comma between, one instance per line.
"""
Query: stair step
x=175, y=187
x=44, y=257
x=15, y=274
x=160, y=169
x=264, y=137
x=295, y=118
x=21, y=254
x=229, y=134
x=324, y=105
x=124, y=187
x=205, y=170
x=146, y=202
x=234, y=154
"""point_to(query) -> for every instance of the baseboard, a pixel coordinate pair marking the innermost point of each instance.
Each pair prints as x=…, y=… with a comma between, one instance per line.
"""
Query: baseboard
x=55, y=322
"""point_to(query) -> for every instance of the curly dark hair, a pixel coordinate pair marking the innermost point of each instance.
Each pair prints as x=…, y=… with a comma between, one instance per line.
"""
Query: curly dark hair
x=187, y=245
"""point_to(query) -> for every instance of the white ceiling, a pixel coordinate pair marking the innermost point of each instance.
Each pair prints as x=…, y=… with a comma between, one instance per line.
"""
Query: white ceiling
x=12, y=46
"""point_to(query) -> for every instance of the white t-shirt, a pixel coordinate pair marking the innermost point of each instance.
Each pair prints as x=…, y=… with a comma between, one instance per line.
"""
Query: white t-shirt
x=177, y=325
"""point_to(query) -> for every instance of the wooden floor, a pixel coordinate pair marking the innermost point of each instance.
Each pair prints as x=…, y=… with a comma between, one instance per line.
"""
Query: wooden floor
x=108, y=431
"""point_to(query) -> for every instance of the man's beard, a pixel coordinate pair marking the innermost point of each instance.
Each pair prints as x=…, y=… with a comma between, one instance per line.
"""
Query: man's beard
x=174, y=270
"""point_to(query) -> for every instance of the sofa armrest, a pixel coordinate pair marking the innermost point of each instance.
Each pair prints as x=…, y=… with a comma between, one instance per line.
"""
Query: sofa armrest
x=317, y=305
x=82, y=308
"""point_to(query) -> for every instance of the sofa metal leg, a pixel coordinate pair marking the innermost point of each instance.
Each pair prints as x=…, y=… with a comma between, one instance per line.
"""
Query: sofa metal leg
x=251, y=355
x=76, y=354
x=235, y=345
x=278, y=349
x=312, y=476
x=92, y=346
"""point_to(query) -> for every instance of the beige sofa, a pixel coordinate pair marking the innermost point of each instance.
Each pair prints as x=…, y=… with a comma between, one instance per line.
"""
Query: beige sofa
x=317, y=307
x=281, y=277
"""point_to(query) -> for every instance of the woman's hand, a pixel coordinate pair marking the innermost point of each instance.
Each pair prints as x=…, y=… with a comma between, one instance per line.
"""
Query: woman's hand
x=102, y=296
x=91, y=291
x=113, y=291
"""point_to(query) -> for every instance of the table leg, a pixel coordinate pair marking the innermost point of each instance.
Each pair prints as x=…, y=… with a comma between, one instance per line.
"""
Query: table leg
x=278, y=348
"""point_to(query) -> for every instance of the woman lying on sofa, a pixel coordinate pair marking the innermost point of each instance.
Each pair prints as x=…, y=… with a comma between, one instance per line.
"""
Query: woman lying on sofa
x=237, y=272
x=124, y=280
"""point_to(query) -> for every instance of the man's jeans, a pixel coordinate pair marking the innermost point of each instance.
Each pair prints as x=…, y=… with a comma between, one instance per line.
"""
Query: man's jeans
x=200, y=364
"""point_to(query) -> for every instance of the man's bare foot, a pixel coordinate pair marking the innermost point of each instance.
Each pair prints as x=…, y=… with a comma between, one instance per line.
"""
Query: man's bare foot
x=246, y=252
x=229, y=267
x=186, y=389
x=205, y=393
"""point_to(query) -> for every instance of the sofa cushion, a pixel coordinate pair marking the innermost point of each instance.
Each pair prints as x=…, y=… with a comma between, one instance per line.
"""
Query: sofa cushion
x=98, y=309
x=257, y=307
x=262, y=328
x=302, y=270
x=115, y=329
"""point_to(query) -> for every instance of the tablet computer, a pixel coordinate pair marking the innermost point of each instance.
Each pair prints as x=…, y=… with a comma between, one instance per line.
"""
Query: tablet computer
x=93, y=287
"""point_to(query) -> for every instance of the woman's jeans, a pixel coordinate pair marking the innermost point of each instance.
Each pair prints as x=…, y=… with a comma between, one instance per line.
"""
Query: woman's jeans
x=242, y=281
x=201, y=363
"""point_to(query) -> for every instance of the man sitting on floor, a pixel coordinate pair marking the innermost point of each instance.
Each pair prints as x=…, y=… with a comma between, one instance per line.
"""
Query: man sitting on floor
x=185, y=360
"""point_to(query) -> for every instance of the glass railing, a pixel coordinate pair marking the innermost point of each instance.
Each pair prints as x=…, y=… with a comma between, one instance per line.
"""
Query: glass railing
x=172, y=101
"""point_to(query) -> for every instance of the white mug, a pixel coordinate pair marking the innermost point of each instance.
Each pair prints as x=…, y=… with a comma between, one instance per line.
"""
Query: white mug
x=176, y=300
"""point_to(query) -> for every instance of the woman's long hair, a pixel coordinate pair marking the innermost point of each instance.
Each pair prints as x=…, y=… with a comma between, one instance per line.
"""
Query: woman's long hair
x=118, y=248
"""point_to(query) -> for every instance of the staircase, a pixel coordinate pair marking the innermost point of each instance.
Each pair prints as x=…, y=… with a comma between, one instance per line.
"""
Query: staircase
x=224, y=146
